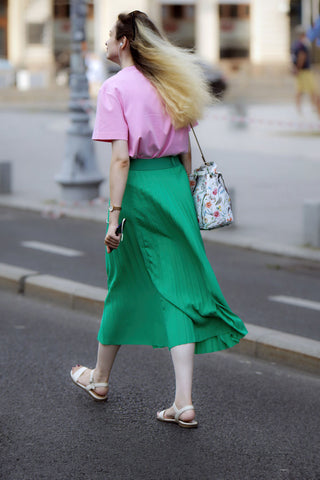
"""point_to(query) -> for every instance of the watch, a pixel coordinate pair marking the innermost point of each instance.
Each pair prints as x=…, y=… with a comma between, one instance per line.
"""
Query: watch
x=113, y=207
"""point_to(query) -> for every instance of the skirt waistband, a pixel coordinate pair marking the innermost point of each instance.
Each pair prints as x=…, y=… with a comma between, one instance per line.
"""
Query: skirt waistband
x=160, y=163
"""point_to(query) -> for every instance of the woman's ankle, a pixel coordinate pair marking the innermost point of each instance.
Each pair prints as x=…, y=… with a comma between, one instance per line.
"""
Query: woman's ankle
x=182, y=402
x=100, y=376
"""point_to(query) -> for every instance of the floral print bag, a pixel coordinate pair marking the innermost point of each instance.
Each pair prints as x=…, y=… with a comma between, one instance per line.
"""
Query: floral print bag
x=211, y=197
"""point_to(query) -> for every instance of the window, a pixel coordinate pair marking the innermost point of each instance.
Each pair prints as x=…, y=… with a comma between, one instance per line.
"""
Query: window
x=3, y=42
x=178, y=23
x=234, y=11
x=35, y=33
x=177, y=11
x=61, y=9
x=234, y=30
x=3, y=8
x=90, y=11
x=3, y=28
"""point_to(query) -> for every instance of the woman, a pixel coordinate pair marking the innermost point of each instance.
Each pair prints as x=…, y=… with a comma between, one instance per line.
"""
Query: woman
x=161, y=288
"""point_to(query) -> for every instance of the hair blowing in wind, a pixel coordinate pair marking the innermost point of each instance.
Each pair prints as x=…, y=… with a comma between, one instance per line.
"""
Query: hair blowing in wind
x=172, y=70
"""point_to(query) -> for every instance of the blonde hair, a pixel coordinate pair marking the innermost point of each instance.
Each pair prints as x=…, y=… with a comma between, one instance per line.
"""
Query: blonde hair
x=173, y=71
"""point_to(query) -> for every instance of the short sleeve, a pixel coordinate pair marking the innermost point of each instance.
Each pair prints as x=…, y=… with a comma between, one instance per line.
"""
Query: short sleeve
x=110, y=123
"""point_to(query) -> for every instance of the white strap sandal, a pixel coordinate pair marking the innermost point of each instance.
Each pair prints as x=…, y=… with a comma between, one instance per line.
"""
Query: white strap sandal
x=176, y=419
x=91, y=386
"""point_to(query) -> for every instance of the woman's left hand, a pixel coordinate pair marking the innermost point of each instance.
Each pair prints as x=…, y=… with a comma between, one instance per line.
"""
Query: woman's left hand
x=111, y=239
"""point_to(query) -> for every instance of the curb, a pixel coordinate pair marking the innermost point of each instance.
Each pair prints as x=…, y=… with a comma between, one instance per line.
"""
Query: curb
x=96, y=214
x=290, y=251
x=262, y=343
x=67, y=293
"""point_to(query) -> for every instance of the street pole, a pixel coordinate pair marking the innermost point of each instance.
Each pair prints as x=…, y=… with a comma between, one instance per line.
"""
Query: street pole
x=79, y=177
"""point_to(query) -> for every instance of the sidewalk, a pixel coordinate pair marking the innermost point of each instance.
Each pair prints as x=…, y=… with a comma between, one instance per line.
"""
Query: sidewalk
x=267, y=86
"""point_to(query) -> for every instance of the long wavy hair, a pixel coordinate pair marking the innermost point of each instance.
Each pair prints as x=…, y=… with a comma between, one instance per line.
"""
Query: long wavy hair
x=173, y=71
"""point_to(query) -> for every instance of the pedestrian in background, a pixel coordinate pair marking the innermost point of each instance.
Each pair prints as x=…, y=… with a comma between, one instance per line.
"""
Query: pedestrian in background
x=305, y=78
x=161, y=288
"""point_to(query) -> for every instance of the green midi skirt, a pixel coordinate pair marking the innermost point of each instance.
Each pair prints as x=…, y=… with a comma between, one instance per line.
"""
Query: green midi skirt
x=162, y=290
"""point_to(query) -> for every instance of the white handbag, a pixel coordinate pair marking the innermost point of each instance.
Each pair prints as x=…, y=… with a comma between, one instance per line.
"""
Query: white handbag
x=211, y=197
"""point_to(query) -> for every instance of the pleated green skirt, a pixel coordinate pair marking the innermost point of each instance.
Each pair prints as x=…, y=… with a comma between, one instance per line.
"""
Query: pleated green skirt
x=162, y=290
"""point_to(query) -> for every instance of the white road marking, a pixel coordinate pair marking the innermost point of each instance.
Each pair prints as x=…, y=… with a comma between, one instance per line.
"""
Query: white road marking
x=297, y=302
x=47, y=247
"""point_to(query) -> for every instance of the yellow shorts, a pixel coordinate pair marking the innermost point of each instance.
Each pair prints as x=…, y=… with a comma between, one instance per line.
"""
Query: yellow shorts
x=306, y=82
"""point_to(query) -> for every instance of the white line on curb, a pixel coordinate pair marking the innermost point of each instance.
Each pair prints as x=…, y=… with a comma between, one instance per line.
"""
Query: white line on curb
x=47, y=247
x=298, y=302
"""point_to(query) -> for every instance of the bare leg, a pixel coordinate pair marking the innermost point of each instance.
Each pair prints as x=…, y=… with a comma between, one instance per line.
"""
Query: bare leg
x=315, y=101
x=105, y=358
x=182, y=357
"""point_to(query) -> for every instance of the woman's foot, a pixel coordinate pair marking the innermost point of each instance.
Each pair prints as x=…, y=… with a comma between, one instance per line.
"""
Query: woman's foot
x=186, y=416
x=84, y=380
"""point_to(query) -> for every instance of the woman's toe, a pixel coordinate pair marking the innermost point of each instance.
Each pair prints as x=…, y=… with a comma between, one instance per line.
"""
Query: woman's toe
x=84, y=378
x=74, y=369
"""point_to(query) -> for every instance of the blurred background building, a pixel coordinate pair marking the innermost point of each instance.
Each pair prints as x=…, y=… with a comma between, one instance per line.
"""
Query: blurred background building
x=34, y=34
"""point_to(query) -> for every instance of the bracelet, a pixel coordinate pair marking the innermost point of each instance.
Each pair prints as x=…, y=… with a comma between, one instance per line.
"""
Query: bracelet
x=113, y=207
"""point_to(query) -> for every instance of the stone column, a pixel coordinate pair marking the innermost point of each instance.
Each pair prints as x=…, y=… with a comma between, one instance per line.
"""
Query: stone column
x=207, y=30
x=16, y=32
x=270, y=32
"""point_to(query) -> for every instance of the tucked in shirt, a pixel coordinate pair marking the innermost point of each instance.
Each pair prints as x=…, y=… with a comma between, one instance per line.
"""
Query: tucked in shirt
x=129, y=108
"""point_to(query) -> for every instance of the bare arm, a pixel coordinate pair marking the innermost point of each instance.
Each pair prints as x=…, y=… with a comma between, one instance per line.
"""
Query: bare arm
x=186, y=160
x=301, y=59
x=119, y=170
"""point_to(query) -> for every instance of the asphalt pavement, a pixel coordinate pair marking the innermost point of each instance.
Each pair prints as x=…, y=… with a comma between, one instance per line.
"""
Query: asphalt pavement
x=257, y=420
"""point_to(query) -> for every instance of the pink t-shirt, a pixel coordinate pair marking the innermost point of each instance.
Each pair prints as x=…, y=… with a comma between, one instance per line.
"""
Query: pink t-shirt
x=129, y=108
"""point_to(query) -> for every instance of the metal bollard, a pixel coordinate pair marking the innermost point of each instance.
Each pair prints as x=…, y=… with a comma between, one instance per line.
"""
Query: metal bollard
x=5, y=177
x=311, y=222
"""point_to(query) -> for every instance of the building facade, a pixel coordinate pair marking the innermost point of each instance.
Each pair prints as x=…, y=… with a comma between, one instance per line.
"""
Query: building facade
x=34, y=34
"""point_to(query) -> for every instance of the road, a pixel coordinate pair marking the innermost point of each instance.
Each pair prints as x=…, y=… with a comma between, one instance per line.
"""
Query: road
x=248, y=279
x=257, y=420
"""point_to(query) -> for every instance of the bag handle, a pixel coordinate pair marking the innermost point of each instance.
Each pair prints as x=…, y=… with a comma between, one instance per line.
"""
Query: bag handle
x=202, y=156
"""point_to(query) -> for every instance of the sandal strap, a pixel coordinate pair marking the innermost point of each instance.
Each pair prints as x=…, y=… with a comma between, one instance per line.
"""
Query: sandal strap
x=92, y=385
x=78, y=373
x=161, y=415
x=178, y=412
